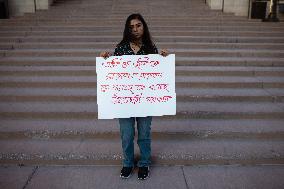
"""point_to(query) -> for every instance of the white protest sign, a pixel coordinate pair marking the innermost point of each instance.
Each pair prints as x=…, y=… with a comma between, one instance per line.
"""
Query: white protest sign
x=136, y=86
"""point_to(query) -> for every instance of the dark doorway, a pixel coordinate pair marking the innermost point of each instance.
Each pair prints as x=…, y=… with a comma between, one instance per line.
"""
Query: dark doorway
x=4, y=9
x=258, y=10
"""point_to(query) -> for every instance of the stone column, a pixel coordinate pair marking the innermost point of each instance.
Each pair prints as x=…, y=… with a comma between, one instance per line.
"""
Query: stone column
x=229, y=6
x=19, y=7
x=216, y=4
x=241, y=8
x=43, y=4
x=208, y=2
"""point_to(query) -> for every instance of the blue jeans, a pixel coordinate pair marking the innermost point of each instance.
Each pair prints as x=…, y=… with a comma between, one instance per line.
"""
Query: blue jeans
x=127, y=133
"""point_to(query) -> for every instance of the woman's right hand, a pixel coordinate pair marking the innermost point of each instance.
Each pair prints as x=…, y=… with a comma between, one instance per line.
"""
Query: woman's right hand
x=105, y=55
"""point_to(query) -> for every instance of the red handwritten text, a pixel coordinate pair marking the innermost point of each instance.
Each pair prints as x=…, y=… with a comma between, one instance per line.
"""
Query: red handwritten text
x=155, y=99
x=129, y=88
x=145, y=61
x=117, y=76
x=116, y=62
x=126, y=99
x=159, y=87
x=124, y=75
x=104, y=88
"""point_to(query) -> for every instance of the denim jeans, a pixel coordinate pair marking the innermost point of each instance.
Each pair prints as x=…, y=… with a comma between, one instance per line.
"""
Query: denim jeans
x=127, y=133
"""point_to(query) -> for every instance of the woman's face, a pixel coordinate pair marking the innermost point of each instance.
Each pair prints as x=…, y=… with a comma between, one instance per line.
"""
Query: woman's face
x=136, y=28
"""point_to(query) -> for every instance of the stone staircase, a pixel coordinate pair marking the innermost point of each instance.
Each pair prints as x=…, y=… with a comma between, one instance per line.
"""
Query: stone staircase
x=229, y=79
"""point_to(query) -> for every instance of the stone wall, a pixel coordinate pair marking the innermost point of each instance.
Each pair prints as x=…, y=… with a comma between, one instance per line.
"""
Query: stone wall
x=238, y=7
x=43, y=4
x=241, y=7
x=216, y=4
x=19, y=7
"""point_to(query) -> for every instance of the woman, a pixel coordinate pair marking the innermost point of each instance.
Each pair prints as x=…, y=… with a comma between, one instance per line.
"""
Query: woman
x=136, y=41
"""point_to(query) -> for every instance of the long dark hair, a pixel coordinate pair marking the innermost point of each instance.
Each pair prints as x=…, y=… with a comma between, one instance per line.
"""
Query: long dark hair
x=146, y=38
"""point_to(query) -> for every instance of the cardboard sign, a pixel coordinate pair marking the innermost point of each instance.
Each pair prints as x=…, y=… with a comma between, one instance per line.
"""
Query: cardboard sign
x=136, y=86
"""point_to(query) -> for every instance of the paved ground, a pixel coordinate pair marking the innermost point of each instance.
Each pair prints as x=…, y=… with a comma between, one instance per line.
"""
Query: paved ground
x=227, y=68
x=177, y=177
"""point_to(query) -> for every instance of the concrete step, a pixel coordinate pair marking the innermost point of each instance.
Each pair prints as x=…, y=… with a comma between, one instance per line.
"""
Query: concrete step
x=183, y=95
x=60, y=18
x=166, y=22
x=187, y=107
x=180, y=61
x=164, y=38
x=185, y=110
x=154, y=32
x=179, y=115
x=160, y=45
x=247, y=71
x=178, y=176
x=88, y=23
x=225, y=61
x=125, y=11
x=112, y=18
x=224, y=28
x=161, y=128
x=164, y=152
x=179, y=78
x=225, y=115
x=105, y=22
x=181, y=81
x=177, y=52
x=185, y=98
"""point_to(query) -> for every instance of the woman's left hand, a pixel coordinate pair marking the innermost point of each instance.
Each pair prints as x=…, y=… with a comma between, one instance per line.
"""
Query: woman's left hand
x=164, y=52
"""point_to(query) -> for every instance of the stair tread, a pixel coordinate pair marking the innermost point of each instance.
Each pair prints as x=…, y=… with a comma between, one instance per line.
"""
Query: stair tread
x=190, y=107
x=179, y=58
x=173, y=44
x=179, y=91
x=173, y=50
x=189, y=79
x=198, y=126
x=164, y=149
x=177, y=68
